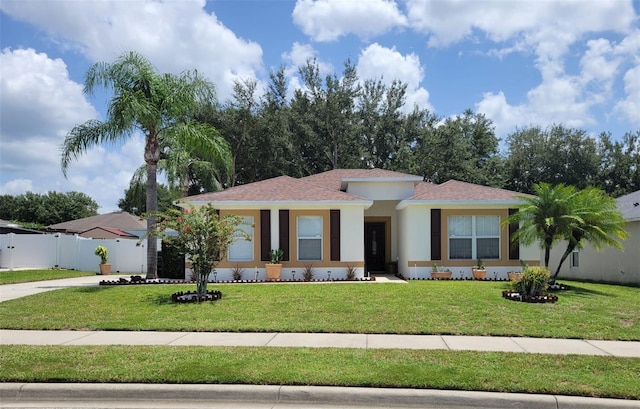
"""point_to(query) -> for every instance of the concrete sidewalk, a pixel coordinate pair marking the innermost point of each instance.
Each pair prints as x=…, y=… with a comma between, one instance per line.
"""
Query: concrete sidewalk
x=324, y=340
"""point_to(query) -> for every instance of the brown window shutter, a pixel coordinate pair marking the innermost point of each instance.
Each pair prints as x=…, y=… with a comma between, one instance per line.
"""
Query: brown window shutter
x=265, y=235
x=436, y=231
x=514, y=246
x=334, y=233
x=284, y=233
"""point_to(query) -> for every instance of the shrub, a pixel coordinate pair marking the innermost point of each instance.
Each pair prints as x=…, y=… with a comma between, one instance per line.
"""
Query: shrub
x=308, y=272
x=534, y=281
x=351, y=272
x=237, y=272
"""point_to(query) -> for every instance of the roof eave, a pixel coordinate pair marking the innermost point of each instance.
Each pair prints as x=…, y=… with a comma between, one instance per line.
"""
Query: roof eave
x=245, y=204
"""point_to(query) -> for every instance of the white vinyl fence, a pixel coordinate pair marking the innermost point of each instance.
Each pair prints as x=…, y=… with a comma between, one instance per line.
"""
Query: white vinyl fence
x=71, y=252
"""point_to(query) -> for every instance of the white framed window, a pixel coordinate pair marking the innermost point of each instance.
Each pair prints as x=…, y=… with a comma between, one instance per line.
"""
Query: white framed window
x=474, y=237
x=310, y=238
x=241, y=249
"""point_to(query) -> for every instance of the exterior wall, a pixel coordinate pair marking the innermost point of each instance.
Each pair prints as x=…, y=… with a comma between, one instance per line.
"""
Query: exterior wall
x=382, y=190
x=351, y=248
x=608, y=265
x=352, y=235
x=415, y=241
x=415, y=260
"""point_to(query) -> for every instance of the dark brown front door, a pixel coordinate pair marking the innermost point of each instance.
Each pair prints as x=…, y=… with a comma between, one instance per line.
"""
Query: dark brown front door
x=374, y=245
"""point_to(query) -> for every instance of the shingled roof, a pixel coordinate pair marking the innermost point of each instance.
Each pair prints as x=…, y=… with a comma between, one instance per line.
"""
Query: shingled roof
x=278, y=189
x=116, y=220
x=455, y=190
x=629, y=206
x=333, y=179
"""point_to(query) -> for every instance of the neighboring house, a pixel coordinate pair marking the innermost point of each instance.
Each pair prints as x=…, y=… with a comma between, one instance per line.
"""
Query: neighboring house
x=372, y=219
x=128, y=225
x=107, y=233
x=7, y=227
x=609, y=264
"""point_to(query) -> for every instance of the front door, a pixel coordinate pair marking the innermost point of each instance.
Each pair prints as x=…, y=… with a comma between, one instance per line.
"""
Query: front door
x=374, y=246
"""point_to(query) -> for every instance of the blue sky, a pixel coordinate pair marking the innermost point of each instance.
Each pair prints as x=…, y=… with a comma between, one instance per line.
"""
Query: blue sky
x=520, y=63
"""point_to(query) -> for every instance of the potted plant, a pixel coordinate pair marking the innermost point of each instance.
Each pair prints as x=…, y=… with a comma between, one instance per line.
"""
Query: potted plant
x=438, y=272
x=101, y=251
x=479, y=271
x=516, y=275
x=275, y=266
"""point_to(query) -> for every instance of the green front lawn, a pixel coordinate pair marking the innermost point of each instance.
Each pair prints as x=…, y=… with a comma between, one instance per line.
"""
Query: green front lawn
x=588, y=311
x=26, y=276
x=486, y=371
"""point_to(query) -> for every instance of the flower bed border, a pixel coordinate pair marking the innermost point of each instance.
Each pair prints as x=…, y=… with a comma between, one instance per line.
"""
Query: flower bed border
x=516, y=296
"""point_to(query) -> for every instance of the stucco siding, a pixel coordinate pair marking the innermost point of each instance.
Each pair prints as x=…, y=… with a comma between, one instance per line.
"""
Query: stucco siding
x=381, y=190
x=415, y=240
x=608, y=265
x=351, y=234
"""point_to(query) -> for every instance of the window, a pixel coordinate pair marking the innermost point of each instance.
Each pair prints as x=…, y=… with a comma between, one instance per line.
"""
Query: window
x=474, y=237
x=241, y=249
x=575, y=259
x=310, y=238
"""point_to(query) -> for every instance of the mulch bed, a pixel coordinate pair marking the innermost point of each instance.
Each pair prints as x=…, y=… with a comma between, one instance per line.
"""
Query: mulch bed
x=516, y=296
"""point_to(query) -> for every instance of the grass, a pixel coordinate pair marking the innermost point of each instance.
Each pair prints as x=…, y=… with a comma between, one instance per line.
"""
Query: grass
x=26, y=276
x=590, y=311
x=489, y=371
x=595, y=311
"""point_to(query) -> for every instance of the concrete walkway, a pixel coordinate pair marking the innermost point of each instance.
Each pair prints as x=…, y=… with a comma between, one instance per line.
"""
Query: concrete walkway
x=14, y=395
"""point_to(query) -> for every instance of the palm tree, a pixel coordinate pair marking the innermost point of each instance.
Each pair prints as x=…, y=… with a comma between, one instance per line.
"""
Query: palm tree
x=192, y=171
x=158, y=105
x=595, y=219
x=545, y=217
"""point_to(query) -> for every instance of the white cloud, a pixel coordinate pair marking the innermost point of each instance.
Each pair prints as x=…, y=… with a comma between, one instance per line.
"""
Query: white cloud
x=451, y=21
x=39, y=105
x=328, y=20
x=630, y=106
x=174, y=35
x=377, y=61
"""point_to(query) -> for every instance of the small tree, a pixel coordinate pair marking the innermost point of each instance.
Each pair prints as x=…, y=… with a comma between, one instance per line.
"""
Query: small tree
x=203, y=235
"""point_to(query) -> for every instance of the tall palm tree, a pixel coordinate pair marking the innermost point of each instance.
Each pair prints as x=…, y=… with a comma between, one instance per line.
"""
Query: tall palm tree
x=596, y=220
x=545, y=217
x=158, y=105
x=192, y=171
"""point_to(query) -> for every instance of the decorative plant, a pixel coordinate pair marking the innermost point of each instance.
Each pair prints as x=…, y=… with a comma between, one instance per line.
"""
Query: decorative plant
x=276, y=256
x=101, y=251
x=351, y=272
x=435, y=268
x=534, y=281
x=237, y=272
x=480, y=265
x=308, y=272
x=202, y=234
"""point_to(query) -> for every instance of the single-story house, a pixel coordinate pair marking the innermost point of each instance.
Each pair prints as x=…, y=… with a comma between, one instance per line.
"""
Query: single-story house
x=127, y=223
x=7, y=227
x=373, y=220
x=608, y=264
x=106, y=233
